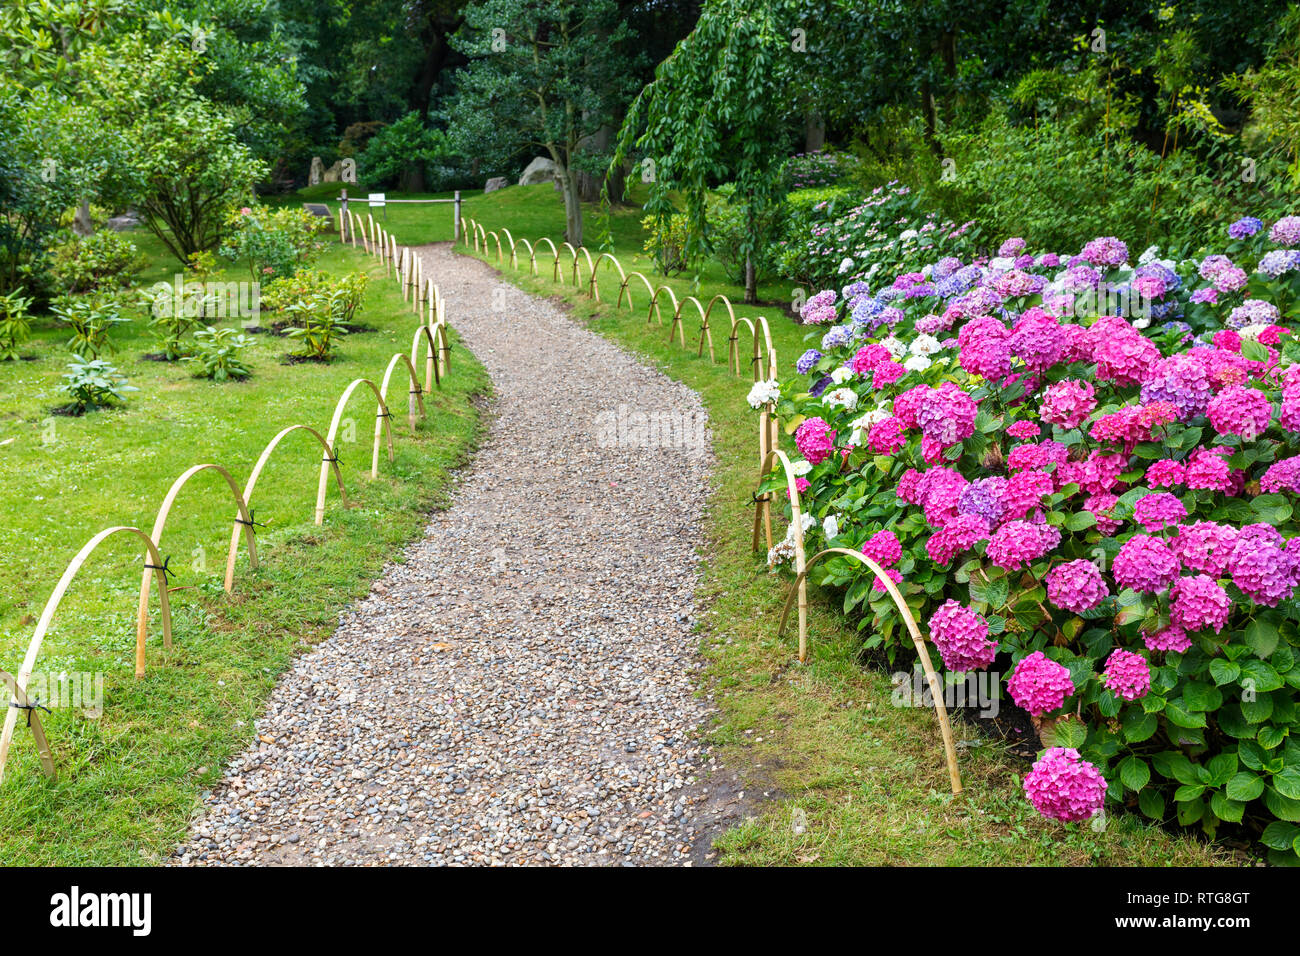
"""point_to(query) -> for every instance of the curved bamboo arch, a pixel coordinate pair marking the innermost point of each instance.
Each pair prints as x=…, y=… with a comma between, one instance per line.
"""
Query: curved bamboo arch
x=19, y=696
x=706, y=333
x=576, y=272
x=627, y=279
x=932, y=678
x=555, y=273
x=416, y=399
x=679, y=324
x=593, y=287
x=251, y=485
x=430, y=366
x=382, y=414
x=653, y=309
x=555, y=253
x=439, y=332
x=532, y=259
x=481, y=233
x=510, y=239
x=52, y=605
x=243, y=516
x=733, y=349
x=497, y=239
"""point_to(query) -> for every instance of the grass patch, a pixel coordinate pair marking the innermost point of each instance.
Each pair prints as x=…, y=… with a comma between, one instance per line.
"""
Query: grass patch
x=869, y=778
x=130, y=780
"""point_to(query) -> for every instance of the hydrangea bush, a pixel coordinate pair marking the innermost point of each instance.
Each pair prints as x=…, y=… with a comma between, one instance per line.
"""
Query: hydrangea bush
x=1099, y=507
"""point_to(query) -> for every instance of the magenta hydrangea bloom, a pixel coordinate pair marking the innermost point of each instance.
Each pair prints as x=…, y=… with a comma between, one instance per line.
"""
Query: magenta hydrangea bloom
x=1290, y=417
x=1019, y=543
x=1102, y=506
x=1282, y=475
x=1023, y=429
x=1038, y=340
x=887, y=373
x=1260, y=566
x=1127, y=675
x=947, y=414
x=1063, y=786
x=815, y=440
x=1166, y=473
x=868, y=357
x=893, y=575
x=1076, y=586
x=1039, y=684
x=1207, y=471
x=1125, y=358
x=886, y=436
x=1172, y=638
x=909, y=487
x=1026, y=490
x=884, y=548
x=984, y=349
x=1105, y=251
x=1145, y=563
x=1011, y=248
x=1205, y=546
x=960, y=534
x=1067, y=403
x=962, y=637
x=1199, y=602
x=907, y=404
x=1158, y=510
x=1240, y=411
x=1182, y=380
x=1037, y=455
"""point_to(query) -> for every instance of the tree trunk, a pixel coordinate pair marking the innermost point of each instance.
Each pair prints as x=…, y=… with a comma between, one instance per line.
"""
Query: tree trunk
x=572, y=204
x=814, y=131
x=81, y=223
x=751, y=277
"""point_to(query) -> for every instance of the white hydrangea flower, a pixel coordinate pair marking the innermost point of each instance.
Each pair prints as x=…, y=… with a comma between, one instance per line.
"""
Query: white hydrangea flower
x=896, y=347
x=1252, y=332
x=844, y=398
x=924, y=345
x=908, y=234
x=917, y=363
x=845, y=265
x=1000, y=264
x=1149, y=254
x=800, y=467
x=830, y=526
x=763, y=393
x=841, y=375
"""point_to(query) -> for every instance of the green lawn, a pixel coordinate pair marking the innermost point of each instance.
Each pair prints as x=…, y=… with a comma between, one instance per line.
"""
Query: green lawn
x=129, y=780
x=869, y=777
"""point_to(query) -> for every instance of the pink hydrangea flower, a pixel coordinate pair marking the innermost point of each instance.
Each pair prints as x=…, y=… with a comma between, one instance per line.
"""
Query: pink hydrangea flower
x=1145, y=564
x=1158, y=510
x=1205, y=546
x=884, y=548
x=1198, y=602
x=962, y=637
x=907, y=404
x=1172, y=638
x=886, y=436
x=1105, y=251
x=1018, y=544
x=892, y=574
x=1102, y=507
x=1240, y=411
x=815, y=440
x=960, y=534
x=1282, y=475
x=1023, y=429
x=947, y=414
x=1039, y=684
x=1208, y=472
x=1125, y=358
x=1037, y=455
x=1067, y=403
x=1166, y=473
x=1076, y=586
x=1260, y=566
x=1127, y=675
x=887, y=373
x=1025, y=490
x=1063, y=786
x=868, y=357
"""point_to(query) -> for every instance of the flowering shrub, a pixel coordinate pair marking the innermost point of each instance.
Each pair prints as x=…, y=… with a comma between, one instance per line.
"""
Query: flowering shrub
x=1099, y=507
x=272, y=243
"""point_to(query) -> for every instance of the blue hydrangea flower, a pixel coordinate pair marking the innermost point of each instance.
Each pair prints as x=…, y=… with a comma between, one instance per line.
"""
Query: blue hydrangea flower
x=1279, y=261
x=806, y=361
x=865, y=309
x=836, y=338
x=1245, y=227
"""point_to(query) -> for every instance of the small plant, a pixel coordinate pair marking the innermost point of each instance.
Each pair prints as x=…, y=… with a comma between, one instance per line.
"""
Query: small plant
x=667, y=243
x=321, y=323
x=91, y=320
x=15, y=324
x=93, y=384
x=216, y=354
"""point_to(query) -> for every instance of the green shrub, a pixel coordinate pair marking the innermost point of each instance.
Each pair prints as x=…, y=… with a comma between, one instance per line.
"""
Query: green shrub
x=273, y=244
x=104, y=260
x=93, y=384
x=727, y=229
x=91, y=319
x=667, y=242
x=320, y=320
x=15, y=324
x=216, y=354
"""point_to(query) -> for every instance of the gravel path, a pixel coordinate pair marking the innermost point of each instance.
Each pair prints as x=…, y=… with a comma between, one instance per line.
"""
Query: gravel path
x=522, y=689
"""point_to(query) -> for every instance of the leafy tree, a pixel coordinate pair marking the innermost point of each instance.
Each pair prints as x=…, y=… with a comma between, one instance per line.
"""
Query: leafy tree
x=717, y=112
x=403, y=153
x=547, y=73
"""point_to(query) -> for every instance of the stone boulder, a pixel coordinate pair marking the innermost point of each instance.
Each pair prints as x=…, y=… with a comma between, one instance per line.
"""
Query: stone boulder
x=495, y=183
x=540, y=170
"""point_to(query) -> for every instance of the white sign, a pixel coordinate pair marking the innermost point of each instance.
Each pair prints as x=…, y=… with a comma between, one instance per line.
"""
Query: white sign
x=376, y=199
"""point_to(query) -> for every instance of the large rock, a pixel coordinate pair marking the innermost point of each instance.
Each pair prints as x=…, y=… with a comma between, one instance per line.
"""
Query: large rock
x=128, y=220
x=540, y=170
x=495, y=183
x=335, y=173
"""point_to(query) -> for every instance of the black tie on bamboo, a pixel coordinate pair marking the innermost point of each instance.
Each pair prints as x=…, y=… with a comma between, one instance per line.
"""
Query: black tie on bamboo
x=252, y=521
x=31, y=705
x=165, y=567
